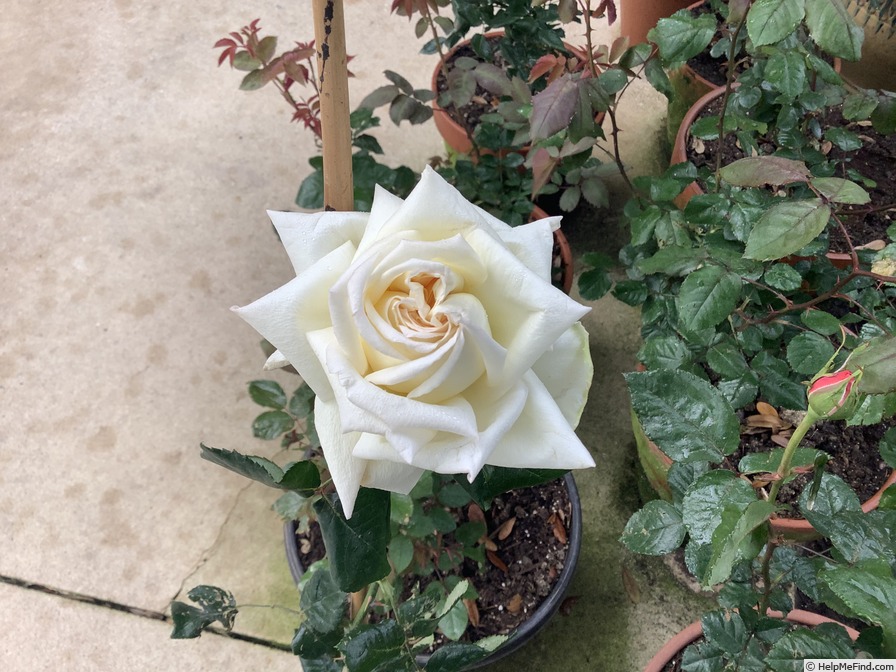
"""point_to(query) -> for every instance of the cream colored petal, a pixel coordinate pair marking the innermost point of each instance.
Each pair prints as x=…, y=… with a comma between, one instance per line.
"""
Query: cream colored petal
x=434, y=210
x=526, y=313
x=364, y=407
x=533, y=245
x=391, y=476
x=541, y=438
x=309, y=237
x=277, y=360
x=385, y=204
x=286, y=315
x=346, y=470
x=495, y=416
x=566, y=371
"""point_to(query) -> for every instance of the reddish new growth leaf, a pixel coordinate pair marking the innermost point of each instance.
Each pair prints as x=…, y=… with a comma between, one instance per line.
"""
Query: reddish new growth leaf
x=607, y=7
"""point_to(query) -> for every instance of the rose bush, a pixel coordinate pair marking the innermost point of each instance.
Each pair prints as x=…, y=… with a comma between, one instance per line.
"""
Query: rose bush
x=432, y=338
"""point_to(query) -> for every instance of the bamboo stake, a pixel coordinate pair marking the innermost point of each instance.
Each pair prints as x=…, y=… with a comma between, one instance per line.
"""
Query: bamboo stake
x=335, y=128
x=336, y=134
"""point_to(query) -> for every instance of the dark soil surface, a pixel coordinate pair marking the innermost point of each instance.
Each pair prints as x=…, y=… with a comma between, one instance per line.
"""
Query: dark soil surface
x=875, y=160
x=712, y=69
x=854, y=457
x=520, y=572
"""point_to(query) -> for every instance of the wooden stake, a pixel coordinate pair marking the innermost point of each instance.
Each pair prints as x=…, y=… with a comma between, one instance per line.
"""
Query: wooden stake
x=336, y=134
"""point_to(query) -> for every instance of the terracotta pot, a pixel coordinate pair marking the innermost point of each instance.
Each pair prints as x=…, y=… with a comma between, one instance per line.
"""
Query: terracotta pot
x=656, y=465
x=680, y=155
x=695, y=630
x=454, y=135
x=877, y=67
x=542, y=614
x=637, y=17
x=562, y=252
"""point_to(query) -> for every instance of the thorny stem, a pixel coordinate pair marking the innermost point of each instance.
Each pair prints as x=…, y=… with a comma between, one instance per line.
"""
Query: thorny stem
x=729, y=81
x=781, y=474
x=586, y=12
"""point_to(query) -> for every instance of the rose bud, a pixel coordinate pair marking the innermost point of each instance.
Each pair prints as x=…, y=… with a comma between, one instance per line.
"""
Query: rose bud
x=833, y=395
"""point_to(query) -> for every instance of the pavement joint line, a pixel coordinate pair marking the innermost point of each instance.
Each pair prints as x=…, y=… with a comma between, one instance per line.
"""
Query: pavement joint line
x=129, y=609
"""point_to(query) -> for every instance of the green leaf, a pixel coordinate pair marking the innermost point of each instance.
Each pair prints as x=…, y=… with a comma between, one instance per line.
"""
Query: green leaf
x=301, y=403
x=821, y=322
x=707, y=296
x=380, y=96
x=703, y=657
x=786, y=71
x=356, y=546
x=594, y=283
x=254, y=80
x=706, y=499
x=783, y=277
x=871, y=595
x=257, y=468
x=833, y=496
x=758, y=463
x=266, y=48
x=493, y=481
x=267, y=393
x=770, y=21
x=808, y=353
x=887, y=448
x=789, y=652
x=271, y=424
x=833, y=28
x=453, y=495
x=787, y=227
x=728, y=540
x=845, y=140
x=311, y=192
x=656, y=529
x=307, y=643
x=322, y=603
x=682, y=36
x=302, y=477
x=376, y=648
x=454, y=623
x=215, y=604
x=455, y=656
x=776, y=384
x=685, y=416
x=244, y=61
x=841, y=191
x=725, y=630
x=858, y=535
x=672, y=260
x=325, y=664
x=401, y=552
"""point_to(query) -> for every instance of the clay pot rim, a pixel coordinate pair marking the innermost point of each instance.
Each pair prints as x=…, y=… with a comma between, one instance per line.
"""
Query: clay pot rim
x=693, y=632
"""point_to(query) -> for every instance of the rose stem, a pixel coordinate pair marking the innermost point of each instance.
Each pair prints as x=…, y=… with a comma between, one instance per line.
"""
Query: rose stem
x=336, y=132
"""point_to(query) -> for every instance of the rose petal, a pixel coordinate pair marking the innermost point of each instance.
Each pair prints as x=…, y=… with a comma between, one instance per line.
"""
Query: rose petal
x=434, y=210
x=406, y=423
x=309, y=237
x=566, y=371
x=346, y=470
x=541, y=438
x=526, y=313
x=533, y=245
x=285, y=315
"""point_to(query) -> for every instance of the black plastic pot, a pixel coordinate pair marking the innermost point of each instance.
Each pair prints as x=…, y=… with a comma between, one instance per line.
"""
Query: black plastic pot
x=539, y=617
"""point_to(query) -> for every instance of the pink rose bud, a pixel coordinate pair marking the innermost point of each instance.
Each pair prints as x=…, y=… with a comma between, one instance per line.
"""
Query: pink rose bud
x=833, y=395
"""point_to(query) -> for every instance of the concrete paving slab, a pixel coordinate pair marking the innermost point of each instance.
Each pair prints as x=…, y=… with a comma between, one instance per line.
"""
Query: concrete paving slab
x=44, y=632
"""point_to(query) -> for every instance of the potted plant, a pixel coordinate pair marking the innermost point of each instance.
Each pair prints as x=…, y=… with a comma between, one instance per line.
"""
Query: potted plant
x=725, y=523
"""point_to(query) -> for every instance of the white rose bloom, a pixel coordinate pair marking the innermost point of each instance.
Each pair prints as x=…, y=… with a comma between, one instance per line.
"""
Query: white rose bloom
x=432, y=338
